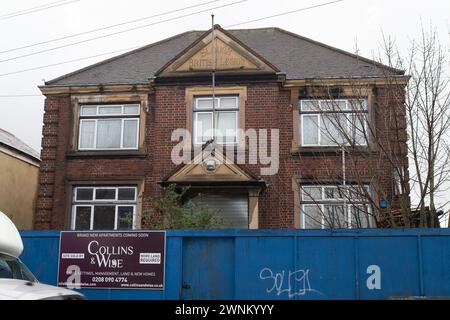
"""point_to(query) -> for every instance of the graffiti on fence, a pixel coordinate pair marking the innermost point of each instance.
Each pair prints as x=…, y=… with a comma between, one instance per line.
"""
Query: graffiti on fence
x=293, y=283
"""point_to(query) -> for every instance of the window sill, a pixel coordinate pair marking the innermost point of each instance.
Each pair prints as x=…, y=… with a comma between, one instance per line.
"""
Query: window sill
x=106, y=154
x=321, y=151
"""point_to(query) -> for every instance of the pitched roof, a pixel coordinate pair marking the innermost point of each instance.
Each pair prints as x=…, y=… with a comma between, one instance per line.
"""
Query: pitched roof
x=296, y=56
x=12, y=142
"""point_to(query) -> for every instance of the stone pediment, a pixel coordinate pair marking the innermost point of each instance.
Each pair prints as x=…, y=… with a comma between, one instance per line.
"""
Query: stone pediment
x=230, y=55
x=212, y=166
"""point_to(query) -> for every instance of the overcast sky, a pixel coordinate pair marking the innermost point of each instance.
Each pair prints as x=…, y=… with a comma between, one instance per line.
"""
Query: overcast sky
x=343, y=25
x=340, y=24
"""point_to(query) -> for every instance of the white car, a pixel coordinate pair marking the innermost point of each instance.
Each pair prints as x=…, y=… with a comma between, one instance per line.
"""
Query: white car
x=16, y=280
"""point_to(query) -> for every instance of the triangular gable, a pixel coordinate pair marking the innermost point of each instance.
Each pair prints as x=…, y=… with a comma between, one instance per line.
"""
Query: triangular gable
x=197, y=171
x=231, y=55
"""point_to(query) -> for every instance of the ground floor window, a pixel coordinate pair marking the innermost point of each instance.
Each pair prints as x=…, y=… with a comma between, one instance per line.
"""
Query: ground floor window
x=104, y=207
x=335, y=207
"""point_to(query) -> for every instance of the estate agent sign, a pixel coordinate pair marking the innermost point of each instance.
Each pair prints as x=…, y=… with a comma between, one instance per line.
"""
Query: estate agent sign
x=112, y=260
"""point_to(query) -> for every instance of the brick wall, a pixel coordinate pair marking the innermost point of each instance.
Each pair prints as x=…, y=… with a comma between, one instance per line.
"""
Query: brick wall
x=267, y=106
x=52, y=173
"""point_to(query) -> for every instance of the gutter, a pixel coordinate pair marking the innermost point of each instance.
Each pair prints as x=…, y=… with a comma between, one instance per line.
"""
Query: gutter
x=13, y=153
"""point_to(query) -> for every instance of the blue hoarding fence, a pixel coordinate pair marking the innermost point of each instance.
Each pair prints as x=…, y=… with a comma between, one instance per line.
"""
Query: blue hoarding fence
x=280, y=264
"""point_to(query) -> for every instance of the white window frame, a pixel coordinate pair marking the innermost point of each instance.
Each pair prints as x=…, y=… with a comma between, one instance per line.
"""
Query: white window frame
x=103, y=202
x=321, y=203
x=117, y=116
x=196, y=135
x=218, y=109
x=100, y=106
x=319, y=113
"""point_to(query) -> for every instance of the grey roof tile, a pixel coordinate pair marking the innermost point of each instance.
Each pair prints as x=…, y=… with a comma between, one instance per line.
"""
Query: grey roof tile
x=11, y=141
x=296, y=56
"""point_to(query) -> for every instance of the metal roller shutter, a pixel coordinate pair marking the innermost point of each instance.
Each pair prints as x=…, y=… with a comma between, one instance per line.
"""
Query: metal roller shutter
x=232, y=208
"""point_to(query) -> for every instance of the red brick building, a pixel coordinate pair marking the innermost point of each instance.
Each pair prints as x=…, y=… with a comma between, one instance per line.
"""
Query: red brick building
x=108, y=135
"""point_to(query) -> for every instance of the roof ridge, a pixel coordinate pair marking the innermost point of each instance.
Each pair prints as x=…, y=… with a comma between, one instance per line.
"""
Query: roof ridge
x=120, y=56
x=341, y=51
x=262, y=28
x=31, y=152
x=6, y=131
x=11, y=134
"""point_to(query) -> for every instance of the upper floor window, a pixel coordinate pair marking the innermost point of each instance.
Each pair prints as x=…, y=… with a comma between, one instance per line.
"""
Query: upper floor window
x=218, y=121
x=109, y=127
x=104, y=207
x=399, y=181
x=334, y=122
x=335, y=207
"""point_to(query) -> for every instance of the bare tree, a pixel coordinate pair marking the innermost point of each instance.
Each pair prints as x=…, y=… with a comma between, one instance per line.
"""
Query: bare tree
x=412, y=125
x=428, y=113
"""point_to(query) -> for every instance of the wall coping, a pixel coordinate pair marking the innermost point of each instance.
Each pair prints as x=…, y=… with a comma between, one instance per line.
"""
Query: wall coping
x=270, y=233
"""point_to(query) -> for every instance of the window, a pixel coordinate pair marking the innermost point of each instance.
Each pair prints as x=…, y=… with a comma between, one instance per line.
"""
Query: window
x=109, y=127
x=333, y=122
x=335, y=207
x=104, y=208
x=223, y=116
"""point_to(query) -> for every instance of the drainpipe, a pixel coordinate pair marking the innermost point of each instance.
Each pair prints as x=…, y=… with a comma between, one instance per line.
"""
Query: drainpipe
x=213, y=78
x=344, y=183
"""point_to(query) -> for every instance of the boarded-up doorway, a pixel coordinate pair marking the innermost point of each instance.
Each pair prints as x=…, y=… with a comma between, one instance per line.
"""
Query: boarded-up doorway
x=232, y=208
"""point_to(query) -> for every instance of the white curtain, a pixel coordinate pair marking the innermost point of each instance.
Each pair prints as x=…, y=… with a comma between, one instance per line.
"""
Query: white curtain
x=87, y=134
x=310, y=130
x=226, y=126
x=108, y=133
x=130, y=133
x=203, y=126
